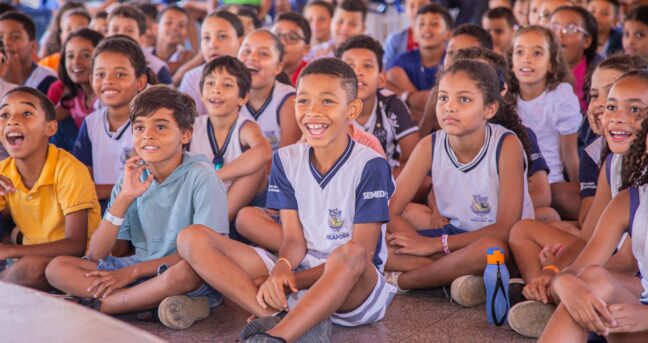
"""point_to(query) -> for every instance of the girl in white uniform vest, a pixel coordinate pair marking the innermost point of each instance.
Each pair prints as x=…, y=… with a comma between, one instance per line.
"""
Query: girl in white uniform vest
x=271, y=102
x=594, y=298
x=479, y=173
x=621, y=119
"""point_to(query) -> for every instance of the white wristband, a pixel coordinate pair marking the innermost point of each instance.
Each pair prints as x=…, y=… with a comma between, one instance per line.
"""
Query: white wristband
x=112, y=219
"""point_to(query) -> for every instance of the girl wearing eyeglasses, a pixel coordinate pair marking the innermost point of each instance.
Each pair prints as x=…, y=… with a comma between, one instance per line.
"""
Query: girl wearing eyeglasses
x=578, y=36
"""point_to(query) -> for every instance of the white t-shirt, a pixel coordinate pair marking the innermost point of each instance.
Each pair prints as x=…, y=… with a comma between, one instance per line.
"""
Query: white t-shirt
x=190, y=85
x=551, y=115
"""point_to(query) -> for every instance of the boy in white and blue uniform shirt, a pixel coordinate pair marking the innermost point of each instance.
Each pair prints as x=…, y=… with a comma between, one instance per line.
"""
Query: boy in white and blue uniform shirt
x=332, y=236
x=162, y=192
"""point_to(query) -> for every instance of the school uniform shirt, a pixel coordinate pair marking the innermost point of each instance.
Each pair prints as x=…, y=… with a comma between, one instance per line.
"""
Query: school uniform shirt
x=321, y=50
x=638, y=230
x=105, y=151
x=396, y=44
x=268, y=115
x=175, y=56
x=203, y=142
x=63, y=187
x=190, y=85
x=468, y=194
x=192, y=194
x=613, y=163
x=159, y=67
x=355, y=190
x=41, y=78
x=5, y=87
x=537, y=162
x=588, y=170
x=390, y=121
x=422, y=77
x=552, y=114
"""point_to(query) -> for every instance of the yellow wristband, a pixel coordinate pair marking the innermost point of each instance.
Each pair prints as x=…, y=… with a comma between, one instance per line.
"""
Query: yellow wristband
x=285, y=260
x=552, y=267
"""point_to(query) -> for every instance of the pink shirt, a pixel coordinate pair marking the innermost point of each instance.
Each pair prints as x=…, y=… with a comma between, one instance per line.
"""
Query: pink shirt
x=79, y=111
x=580, y=73
x=367, y=139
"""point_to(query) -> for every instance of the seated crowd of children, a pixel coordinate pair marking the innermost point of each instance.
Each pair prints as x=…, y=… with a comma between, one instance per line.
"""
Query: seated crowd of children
x=158, y=159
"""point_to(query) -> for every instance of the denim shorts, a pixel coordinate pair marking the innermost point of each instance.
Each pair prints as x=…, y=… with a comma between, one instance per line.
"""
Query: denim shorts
x=447, y=229
x=111, y=263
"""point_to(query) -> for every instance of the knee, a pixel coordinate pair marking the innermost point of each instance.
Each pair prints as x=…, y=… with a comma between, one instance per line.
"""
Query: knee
x=189, y=237
x=242, y=218
x=519, y=230
x=55, y=267
x=181, y=278
x=29, y=270
x=352, y=256
x=596, y=277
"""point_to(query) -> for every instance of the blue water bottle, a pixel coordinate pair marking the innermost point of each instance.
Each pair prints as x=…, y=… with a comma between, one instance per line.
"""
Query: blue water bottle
x=496, y=279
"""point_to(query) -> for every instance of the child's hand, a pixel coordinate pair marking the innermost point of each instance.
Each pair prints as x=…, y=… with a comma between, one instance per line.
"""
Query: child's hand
x=549, y=254
x=108, y=281
x=272, y=291
x=132, y=186
x=629, y=318
x=412, y=244
x=539, y=289
x=6, y=186
x=585, y=307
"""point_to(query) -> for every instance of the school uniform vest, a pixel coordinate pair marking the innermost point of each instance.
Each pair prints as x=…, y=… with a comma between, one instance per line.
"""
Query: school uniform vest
x=468, y=194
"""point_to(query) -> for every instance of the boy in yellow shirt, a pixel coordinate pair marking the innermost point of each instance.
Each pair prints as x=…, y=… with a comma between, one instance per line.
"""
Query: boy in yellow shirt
x=49, y=194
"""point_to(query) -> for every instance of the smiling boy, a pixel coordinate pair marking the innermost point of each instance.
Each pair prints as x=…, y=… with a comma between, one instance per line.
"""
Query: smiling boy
x=334, y=241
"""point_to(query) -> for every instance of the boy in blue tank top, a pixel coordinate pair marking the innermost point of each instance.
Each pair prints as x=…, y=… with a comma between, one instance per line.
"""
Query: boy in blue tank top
x=330, y=261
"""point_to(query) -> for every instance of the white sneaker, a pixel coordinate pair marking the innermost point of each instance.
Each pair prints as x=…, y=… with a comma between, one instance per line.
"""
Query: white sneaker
x=530, y=317
x=180, y=312
x=468, y=290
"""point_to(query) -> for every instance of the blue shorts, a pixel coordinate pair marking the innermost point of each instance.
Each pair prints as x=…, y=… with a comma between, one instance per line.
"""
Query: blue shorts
x=448, y=229
x=111, y=263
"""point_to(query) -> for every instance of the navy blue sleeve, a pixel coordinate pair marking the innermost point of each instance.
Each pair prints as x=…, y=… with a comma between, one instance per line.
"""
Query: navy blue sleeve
x=281, y=195
x=44, y=85
x=537, y=163
x=83, y=146
x=400, y=115
x=588, y=172
x=608, y=167
x=164, y=76
x=373, y=193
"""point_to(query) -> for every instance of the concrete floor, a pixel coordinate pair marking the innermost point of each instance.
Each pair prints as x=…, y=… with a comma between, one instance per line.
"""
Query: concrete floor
x=421, y=316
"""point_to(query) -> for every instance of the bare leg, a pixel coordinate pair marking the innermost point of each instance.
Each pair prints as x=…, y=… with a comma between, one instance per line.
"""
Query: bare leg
x=565, y=198
x=471, y=260
x=418, y=215
x=347, y=281
x=256, y=225
x=28, y=271
x=242, y=192
x=67, y=274
x=546, y=214
x=528, y=238
x=562, y=327
x=229, y=266
x=405, y=263
x=178, y=279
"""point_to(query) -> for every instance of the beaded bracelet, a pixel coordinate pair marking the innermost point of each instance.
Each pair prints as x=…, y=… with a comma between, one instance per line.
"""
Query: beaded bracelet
x=444, y=244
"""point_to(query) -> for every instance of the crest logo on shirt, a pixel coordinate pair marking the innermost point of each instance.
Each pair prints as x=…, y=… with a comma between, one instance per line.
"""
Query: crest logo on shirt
x=335, y=221
x=480, y=205
x=272, y=137
x=127, y=153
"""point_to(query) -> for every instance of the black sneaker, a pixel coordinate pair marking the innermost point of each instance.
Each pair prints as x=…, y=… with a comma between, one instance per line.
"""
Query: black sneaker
x=263, y=337
x=91, y=303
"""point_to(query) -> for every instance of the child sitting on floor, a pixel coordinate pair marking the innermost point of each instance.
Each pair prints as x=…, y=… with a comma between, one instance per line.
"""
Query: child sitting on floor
x=48, y=192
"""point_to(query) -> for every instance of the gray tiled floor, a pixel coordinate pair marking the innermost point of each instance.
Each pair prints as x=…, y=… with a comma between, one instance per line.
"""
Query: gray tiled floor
x=413, y=317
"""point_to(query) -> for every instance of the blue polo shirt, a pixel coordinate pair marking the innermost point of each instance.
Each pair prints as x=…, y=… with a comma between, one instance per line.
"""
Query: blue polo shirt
x=421, y=77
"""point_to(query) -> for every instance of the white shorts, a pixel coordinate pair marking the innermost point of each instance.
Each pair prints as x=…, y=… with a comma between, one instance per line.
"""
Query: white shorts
x=372, y=310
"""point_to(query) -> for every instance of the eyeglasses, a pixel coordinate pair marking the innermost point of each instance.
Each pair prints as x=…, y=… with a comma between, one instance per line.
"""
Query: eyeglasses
x=290, y=38
x=568, y=29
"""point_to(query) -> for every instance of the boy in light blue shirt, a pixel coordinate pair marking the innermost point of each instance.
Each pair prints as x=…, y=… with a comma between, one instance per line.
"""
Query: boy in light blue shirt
x=162, y=191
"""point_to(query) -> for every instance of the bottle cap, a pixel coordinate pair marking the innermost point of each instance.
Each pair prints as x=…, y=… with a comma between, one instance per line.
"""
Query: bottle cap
x=495, y=256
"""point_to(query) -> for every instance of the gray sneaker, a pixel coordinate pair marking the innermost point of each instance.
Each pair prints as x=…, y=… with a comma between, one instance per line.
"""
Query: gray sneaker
x=529, y=318
x=263, y=337
x=180, y=312
x=468, y=290
x=320, y=333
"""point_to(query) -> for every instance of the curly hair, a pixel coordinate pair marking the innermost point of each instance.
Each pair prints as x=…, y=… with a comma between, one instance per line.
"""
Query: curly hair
x=559, y=71
x=488, y=82
x=635, y=162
